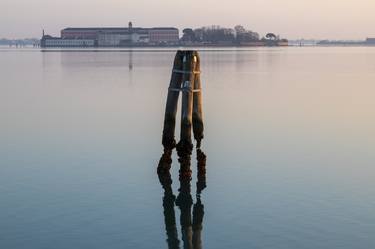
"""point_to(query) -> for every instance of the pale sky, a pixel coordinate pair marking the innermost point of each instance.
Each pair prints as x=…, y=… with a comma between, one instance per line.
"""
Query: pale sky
x=293, y=19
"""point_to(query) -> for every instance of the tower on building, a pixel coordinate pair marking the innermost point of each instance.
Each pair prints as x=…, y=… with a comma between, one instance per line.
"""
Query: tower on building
x=130, y=26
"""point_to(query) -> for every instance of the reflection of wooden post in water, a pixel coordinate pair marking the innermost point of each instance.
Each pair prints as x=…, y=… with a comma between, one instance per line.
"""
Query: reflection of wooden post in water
x=130, y=60
x=198, y=213
x=191, y=222
x=184, y=201
x=169, y=213
x=185, y=78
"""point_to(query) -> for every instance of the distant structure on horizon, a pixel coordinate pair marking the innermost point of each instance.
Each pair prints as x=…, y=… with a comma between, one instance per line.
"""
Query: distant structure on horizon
x=367, y=42
x=130, y=36
x=113, y=37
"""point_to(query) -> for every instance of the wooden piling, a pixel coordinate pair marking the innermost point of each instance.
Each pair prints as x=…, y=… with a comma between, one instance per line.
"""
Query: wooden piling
x=197, y=116
x=185, y=146
x=169, y=141
x=185, y=78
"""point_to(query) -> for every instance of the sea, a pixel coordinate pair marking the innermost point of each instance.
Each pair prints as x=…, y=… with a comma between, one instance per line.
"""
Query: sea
x=289, y=144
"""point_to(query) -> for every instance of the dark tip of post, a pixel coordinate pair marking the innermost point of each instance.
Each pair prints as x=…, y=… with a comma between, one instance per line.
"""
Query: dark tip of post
x=184, y=200
x=201, y=166
x=165, y=162
x=199, y=143
x=165, y=181
x=169, y=143
x=184, y=148
x=201, y=158
x=185, y=171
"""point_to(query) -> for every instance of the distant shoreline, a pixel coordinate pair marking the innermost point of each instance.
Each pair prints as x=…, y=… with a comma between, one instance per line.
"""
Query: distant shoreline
x=218, y=45
x=5, y=48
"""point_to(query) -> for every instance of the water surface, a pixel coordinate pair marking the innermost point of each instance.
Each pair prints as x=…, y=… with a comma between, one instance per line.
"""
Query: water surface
x=289, y=142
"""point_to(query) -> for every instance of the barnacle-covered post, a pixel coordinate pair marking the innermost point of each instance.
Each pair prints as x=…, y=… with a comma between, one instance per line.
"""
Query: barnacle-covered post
x=186, y=79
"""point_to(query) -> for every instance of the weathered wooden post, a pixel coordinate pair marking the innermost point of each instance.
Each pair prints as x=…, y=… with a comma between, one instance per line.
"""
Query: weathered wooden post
x=185, y=146
x=169, y=141
x=186, y=79
x=197, y=104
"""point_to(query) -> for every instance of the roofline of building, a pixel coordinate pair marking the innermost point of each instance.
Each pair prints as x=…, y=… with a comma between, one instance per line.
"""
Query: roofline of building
x=48, y=37
x=119, y=28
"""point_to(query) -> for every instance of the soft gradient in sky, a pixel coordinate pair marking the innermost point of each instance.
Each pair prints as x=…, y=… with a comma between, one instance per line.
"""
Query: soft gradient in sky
x=333, y=19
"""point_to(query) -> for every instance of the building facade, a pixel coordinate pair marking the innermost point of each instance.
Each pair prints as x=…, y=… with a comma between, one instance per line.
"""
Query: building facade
x=55, y=42
x=114, y=37
x=79, y=33
x=123, y=37
x=164, y=35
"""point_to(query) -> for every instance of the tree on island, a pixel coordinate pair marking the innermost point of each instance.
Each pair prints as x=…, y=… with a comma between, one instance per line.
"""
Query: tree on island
x=188, y=35
x=273, y=40
x=243, y=35
x=271, y=36
x=214, y=34
x=225, y=36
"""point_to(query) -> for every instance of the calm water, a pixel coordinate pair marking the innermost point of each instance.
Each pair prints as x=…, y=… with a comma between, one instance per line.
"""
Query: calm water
x=289, y=140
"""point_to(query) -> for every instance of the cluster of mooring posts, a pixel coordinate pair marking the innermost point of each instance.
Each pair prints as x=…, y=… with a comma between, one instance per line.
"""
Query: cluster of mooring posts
x=185, y=79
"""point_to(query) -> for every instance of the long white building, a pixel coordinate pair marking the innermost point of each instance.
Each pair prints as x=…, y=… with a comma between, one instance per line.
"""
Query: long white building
x=113, y=37
x=48, y=41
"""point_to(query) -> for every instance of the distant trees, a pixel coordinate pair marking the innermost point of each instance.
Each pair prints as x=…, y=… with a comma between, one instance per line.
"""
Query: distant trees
x=271, y=36
x=239, y=29
x=188, y=35
x=216, y=34
x=243, y=35
x=273, y=40
x=226, y=36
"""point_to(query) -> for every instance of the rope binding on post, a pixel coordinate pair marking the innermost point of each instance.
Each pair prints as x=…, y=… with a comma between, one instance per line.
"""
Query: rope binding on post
x=186, y=72
x=184, y=89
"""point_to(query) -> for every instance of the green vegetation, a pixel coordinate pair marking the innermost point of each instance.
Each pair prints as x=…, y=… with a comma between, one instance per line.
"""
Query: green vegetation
x=216, y=35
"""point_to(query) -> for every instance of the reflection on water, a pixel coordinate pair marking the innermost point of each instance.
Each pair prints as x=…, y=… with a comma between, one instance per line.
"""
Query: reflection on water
x=191, y=221
x=130, y=60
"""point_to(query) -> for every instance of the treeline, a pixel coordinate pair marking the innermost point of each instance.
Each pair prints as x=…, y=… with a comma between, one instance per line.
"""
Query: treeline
x=219, y=35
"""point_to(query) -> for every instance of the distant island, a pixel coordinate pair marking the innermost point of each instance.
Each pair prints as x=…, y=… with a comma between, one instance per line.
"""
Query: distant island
x=210, y=36
x=159, y=37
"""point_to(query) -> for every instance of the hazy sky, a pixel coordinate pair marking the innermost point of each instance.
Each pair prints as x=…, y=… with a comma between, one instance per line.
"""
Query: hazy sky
x=341, y=19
